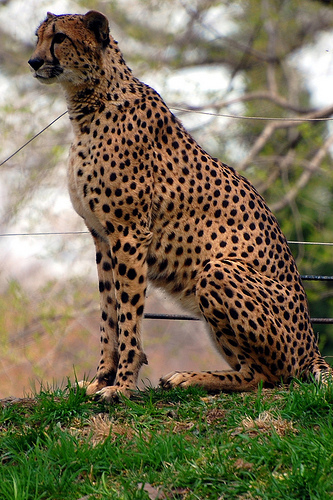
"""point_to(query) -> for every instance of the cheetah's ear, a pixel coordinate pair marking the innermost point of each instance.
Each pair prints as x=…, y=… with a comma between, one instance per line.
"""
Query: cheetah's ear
x=99, y=25
x=49, y=15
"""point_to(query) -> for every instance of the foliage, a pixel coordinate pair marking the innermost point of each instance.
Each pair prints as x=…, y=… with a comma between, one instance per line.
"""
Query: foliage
x=45, y=333
x=256, y=46
x=179, y=444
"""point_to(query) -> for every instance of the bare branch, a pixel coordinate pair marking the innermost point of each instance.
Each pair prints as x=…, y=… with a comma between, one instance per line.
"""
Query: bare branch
x=282, y=163
x=305, y=177
x=272, y=126
x=253, y=96
x=260, y=143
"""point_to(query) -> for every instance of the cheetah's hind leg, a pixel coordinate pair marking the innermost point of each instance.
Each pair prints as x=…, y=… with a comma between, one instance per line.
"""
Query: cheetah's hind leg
x=227, y=380
x=248, y=329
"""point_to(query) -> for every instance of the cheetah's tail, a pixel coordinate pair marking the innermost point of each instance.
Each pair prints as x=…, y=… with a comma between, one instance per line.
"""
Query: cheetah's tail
x=319, y=370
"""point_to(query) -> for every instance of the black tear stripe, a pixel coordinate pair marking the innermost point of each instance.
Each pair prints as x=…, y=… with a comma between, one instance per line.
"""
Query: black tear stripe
x=55, y=60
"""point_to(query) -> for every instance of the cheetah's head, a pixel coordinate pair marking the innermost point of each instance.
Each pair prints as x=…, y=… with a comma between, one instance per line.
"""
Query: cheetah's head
x=69, y=47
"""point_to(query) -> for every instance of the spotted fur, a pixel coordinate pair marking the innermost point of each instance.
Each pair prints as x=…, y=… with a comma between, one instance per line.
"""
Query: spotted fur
x=160, y=208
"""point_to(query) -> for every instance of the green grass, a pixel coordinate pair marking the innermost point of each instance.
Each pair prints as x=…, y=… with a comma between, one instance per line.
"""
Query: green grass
x=182, y=444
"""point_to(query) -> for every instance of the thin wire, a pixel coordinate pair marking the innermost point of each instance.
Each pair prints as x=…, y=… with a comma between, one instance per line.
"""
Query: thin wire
x=57, y=233
x=328, y=244
x=45, y=233
x=186, y=317
x=264, y=118
x=240, y=117
x=33, y=138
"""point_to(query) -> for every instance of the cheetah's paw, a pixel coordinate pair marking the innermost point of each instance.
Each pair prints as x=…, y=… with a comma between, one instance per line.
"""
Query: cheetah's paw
x=91, y=388
x=177, y=379
x=83, y=384
x=111, y=393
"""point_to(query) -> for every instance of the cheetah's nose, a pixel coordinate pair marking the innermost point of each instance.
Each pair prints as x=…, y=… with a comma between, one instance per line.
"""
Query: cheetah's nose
x=36, y=63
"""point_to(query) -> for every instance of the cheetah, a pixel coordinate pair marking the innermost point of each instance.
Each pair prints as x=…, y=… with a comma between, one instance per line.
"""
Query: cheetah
x=161, y=209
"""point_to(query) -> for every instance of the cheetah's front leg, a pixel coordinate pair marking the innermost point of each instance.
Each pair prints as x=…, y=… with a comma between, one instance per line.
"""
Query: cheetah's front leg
x=107, y=368
x=129, y=269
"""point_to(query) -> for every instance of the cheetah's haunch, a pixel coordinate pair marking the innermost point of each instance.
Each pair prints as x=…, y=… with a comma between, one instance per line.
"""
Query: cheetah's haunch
x=160, y=208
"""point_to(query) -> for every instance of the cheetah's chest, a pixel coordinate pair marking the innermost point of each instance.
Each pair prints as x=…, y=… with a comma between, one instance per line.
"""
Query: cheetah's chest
x=79, y=186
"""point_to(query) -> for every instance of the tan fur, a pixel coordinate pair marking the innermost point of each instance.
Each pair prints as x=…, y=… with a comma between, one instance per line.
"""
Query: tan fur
x=160, y=208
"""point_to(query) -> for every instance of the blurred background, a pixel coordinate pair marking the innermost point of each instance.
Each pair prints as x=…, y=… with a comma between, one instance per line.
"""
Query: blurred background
x=219, y=65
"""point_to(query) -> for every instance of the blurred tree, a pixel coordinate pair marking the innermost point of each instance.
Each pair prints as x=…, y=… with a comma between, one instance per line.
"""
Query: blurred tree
x=209, y=59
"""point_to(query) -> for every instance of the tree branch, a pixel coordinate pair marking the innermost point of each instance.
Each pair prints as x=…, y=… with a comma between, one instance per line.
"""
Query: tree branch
x=274, y=125
x=305, y=177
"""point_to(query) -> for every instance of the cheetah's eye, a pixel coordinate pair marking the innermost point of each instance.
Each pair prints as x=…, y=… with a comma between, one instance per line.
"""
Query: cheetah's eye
x=59, y=37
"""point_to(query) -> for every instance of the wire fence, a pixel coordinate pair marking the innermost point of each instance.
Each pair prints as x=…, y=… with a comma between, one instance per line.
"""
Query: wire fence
x=186, y=317
x=199, y=111
x=305, y=118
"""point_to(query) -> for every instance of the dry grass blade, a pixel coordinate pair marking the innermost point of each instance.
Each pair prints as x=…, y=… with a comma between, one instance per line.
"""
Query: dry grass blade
x=100, y=428
x=265, y=423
